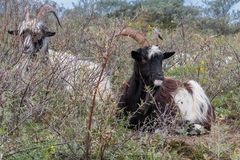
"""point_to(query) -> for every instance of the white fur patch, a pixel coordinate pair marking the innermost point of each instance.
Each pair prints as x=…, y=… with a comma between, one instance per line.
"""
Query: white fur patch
x=33, y=25
x=28, y=45
x=157, y=82
x=28, y=41
x=72, y=68
x=154, y=50
x=45, y=42
x=198, y=126
x=193, y=107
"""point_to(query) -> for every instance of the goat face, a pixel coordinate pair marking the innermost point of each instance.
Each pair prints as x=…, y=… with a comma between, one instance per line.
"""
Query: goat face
x=148, y=63
x=33, y=36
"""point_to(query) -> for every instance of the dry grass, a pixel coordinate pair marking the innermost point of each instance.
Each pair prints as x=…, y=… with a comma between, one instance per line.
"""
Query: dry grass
x=39, y=119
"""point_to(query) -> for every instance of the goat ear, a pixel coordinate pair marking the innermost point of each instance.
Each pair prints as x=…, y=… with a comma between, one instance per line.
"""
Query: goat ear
x=168, y=54
x=137, y=56
x=13, y=32
x=50, y=34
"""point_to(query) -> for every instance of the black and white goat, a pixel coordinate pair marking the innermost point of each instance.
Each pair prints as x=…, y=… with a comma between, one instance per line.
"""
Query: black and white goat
x=148, y=95
x=34, y=40
x=33, y=32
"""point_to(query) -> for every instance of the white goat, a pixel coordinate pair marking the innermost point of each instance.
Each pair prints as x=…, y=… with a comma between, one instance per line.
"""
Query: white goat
x=34, y=39
x=72, y=69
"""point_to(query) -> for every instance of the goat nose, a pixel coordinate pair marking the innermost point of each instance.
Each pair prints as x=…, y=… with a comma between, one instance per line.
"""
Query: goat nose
x=157, y=82
x=159, y=76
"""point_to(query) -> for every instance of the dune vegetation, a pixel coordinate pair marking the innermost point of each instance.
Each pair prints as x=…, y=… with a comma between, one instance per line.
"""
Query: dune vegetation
x=39, y=119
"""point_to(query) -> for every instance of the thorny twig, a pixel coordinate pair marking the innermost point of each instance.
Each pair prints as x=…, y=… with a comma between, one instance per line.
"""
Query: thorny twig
x=93, y=103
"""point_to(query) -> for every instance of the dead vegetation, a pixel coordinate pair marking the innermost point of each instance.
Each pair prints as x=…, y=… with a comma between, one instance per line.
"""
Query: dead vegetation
x=38, y=118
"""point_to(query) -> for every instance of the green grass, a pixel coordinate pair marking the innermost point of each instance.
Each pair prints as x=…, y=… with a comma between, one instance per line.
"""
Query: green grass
x=61, y=130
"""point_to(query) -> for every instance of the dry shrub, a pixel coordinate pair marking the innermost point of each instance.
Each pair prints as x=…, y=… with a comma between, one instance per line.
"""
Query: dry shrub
x=40, y=118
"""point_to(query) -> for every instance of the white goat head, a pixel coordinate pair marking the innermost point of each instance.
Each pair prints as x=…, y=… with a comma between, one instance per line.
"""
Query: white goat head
x=34, y=35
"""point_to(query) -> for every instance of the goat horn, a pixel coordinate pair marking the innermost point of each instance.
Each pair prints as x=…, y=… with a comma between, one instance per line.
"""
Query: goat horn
x=139, y=37
x=156, y=36
x=43, y=10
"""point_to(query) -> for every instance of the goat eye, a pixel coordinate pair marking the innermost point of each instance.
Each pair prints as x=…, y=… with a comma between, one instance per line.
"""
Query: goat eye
x=144, y=61
x=40, y=41
x=34, y=35
x=23, y=32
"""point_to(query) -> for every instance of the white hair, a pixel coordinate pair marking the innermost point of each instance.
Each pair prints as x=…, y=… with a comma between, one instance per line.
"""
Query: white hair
x=194, y=106
x=71, y=67
x=154, y=50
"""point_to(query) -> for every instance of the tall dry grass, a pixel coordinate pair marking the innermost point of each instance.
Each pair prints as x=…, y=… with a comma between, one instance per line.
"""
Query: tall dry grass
x=39, y=119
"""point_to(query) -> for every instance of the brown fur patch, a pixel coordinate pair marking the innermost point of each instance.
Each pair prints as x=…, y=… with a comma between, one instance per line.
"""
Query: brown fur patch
x=210, y=117
x=166, y=89
x=188, y=87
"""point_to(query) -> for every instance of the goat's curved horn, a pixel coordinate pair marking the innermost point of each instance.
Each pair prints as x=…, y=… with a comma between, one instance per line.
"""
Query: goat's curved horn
x=43, y=10
x=156, y=36
x=139, y=37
